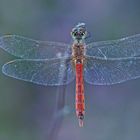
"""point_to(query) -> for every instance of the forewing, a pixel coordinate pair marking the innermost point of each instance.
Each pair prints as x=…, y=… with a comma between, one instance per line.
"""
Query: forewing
x=112, y=71
x=42, y=72
x=26, y=48
x=121, y=48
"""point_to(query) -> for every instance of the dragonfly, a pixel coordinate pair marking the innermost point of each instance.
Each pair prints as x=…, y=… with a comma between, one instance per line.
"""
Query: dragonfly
x=54, y=63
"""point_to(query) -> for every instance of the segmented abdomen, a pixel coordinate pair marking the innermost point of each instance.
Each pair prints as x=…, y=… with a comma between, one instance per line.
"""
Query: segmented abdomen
x=80, y=99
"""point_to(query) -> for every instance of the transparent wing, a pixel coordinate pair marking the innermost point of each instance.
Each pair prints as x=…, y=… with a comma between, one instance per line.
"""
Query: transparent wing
x=32, y=49
x=107, y=72
x=42, y=72
x=121, y=48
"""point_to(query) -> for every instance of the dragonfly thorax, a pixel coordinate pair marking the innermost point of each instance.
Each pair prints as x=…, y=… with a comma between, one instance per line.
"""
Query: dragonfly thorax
x=78, y=52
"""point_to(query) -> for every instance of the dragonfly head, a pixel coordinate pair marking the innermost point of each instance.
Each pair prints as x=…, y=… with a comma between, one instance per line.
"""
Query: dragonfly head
x=79, y=32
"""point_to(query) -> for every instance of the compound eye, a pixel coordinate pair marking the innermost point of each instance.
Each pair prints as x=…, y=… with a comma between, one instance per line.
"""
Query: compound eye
x=83, y=33
x=74, y=33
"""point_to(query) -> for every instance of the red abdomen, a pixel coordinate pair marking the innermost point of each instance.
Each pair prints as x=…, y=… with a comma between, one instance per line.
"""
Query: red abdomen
x=80, y=99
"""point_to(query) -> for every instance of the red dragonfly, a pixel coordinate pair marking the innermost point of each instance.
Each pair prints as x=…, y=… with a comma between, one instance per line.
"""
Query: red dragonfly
x=54, y=64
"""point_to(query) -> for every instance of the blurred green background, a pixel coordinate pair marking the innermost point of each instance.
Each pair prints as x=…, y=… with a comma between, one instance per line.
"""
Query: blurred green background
x=28, y=111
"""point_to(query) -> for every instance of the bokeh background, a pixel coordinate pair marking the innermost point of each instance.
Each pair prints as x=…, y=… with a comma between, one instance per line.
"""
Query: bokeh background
x=33, y=112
